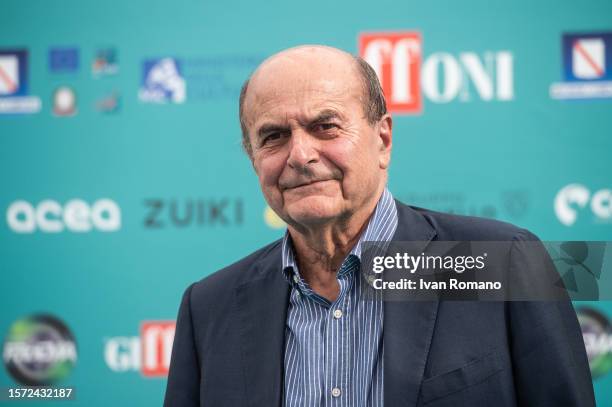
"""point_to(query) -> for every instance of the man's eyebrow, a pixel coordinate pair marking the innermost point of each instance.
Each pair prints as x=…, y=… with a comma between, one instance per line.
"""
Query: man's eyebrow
x=325, y=115
x=322, y=116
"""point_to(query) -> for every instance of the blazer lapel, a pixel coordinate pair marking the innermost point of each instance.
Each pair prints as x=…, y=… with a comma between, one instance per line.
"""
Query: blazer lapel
x=262, y=307
x=408, y=325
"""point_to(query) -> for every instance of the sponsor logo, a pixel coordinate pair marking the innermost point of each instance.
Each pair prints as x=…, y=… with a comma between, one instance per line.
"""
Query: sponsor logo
x=162, y=81
x=109, y=103
x=573, y=198
x=209, y=78
x=106, y=62
x=64, y=102
x=14, y=97
x=407, y=75
x=63, y=60
x=511, y=204
x=39, y=350
x=597, y=335
x=162, y=213
x=148, y=353
x=587, y=67
x=272, y=219
x=76, y=216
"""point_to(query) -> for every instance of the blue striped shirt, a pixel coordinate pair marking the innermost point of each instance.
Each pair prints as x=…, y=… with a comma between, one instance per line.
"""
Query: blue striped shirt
x=334, y=350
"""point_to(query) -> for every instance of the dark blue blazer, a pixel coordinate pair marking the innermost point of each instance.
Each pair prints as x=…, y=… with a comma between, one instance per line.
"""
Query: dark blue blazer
x=229, y=342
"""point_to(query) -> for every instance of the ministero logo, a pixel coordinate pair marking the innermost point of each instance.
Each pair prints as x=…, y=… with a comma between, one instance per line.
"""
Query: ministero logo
x=162, y=81
x=573, y=199
x=597, y=335
x=407, y=75
x=148, y=353
x=39, y=350
x=75, y=215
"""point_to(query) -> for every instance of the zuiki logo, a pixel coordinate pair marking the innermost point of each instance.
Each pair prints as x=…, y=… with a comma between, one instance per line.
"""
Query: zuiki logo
x=39, y=350
x=182, y=213
x=76, y=216
x=162, y=81
x=587, y=67
x=14, y=98
x=406, y=75
x=149, y=353
x=597, y=335
x=573, y=198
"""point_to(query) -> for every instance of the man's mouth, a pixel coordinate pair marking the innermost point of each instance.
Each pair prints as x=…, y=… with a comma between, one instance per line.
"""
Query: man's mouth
x=305, y=184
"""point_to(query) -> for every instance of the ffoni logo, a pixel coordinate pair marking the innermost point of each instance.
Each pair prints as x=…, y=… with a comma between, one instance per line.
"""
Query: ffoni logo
x=396, y=59
x=157, y=338
x=407, y=76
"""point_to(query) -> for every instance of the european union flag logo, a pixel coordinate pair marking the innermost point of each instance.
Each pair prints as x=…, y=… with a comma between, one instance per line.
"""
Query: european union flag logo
x=63, y=60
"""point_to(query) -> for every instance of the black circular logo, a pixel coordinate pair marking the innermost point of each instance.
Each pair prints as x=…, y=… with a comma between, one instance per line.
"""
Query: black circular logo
x=39, y=350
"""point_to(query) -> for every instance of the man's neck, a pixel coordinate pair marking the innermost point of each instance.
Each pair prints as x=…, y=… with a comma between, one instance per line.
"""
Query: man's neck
x=321, y=250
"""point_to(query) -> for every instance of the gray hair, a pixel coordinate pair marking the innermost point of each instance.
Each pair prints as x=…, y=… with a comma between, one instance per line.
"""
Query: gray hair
x=374, y=104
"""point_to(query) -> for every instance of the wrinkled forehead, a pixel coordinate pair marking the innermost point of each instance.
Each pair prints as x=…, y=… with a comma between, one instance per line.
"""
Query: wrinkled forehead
x=296, y=87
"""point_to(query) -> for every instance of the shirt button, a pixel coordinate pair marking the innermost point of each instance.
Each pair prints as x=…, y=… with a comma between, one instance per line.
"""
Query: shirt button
x=338, y=314
x=296, y=279
x=336, y=392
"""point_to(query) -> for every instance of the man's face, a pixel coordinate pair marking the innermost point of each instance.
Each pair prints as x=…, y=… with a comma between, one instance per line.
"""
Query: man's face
x=317, y=157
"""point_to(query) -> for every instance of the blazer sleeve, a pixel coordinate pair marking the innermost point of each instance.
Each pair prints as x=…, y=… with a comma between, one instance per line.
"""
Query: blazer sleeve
x=550, y=365
x=184, y=377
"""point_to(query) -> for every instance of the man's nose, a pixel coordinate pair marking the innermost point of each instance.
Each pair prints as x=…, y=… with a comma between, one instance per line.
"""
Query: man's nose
x=302, y=150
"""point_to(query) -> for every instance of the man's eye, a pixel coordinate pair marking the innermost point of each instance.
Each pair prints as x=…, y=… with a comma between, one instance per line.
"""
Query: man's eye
x=271, y=137
x=324, y=126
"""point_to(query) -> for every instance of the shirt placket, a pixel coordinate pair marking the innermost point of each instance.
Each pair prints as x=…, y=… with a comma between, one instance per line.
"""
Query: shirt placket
x=336, y=343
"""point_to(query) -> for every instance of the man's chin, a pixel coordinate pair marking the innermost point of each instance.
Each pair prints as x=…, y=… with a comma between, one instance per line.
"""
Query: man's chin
x=313, y=211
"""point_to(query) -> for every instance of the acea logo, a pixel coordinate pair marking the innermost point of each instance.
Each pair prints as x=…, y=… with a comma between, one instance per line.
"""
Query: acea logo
x=575, y=198
x=587, y=67
x=162, y=81
x=14, y=97
x=75, y=215
x=597, y=335
x=39, y=350
x=407, y=75
x=148, y=353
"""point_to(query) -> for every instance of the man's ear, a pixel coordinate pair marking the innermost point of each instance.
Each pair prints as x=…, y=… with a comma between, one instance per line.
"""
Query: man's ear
x=385, y=140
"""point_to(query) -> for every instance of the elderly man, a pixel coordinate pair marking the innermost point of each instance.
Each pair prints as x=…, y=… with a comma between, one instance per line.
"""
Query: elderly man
x=288, y=325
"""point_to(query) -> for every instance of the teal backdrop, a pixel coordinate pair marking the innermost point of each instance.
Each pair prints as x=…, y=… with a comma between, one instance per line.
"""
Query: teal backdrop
x=130, y=107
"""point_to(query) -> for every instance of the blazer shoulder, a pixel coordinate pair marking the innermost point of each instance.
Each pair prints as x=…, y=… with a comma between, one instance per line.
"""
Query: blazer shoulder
x=471, y=228
x=248, y=268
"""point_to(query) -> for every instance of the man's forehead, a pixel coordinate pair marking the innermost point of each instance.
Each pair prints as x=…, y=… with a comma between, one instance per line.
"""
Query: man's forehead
x=303, y=104
x=306, y=56
x=308, y=79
